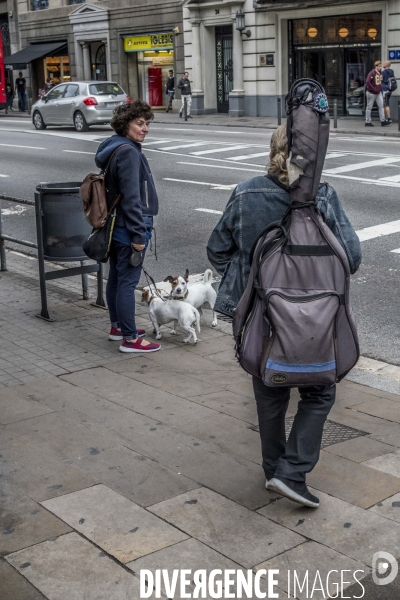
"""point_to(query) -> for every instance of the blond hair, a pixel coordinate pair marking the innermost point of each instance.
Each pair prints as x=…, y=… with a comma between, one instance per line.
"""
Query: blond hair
x=279, y=154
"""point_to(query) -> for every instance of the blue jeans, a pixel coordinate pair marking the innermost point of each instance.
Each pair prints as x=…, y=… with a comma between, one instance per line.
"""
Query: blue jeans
x=21, y=100
x=120, y=291
x=293, y=458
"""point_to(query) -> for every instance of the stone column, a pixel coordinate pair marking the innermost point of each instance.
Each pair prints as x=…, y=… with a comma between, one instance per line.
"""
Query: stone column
x=236, y=97
x=197, y=72
x=87, y=70
x=79, y=61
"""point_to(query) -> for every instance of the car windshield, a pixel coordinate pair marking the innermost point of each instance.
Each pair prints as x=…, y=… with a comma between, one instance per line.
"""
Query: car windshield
x=103, y=89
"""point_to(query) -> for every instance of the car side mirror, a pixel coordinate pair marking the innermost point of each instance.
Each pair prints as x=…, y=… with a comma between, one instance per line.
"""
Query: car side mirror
x=45, y=98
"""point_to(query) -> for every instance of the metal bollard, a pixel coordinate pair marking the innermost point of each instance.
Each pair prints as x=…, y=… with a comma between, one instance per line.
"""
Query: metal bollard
x=279, y=102
x=398, y=115
x=185, y=108
x=3, y=260
x=335, y=114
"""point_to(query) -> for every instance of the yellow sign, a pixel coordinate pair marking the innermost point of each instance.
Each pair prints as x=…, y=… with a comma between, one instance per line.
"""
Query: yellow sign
x=154, y=41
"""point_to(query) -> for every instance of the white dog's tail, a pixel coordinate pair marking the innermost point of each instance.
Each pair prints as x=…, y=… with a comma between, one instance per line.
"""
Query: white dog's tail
x=197, y=320
x=207, y=276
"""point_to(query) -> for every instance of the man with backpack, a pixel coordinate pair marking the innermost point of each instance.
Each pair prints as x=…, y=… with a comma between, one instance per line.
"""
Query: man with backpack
x=389, y=85
x=254, y=205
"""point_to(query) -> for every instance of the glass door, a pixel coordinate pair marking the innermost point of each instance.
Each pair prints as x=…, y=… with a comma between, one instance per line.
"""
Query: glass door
x=224, y=58
x=331, y=73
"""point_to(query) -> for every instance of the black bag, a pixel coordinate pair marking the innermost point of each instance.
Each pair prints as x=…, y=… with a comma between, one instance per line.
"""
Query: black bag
x=392, y=83
x=98, y=245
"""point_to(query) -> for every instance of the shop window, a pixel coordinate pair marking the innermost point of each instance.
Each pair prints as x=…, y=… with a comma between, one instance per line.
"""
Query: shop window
x=77, y=1
x=153, y=75
x=347, y=29
x=39, y=4
x=57, y=69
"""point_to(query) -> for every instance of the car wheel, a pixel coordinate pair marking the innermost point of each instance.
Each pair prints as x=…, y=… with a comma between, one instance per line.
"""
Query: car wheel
x=38, y=121
x=80, y=122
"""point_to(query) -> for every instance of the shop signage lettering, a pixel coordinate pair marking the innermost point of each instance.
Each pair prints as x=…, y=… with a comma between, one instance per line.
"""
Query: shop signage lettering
x=154, y=41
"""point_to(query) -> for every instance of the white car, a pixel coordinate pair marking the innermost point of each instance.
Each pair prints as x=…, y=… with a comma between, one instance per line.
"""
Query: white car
x=78, y=103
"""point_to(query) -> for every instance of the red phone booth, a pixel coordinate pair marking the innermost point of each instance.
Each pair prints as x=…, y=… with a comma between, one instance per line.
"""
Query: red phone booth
x=155, y=86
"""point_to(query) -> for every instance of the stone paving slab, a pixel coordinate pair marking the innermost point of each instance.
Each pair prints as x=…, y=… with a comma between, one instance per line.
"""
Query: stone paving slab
x=13, y=408
x=231, y=404
x=190, y=554
x=352, y=482
x=23, y=521
x=308, y=558
x=383, y=408
x=389, y=463
x=14, y=586
x=389, y=508
x=123, y=529
x=70, y=568
x=172, y=382
x=226, y=527
x=338, y=525
x=359, y=449
x=36, y=472
x=138, y=478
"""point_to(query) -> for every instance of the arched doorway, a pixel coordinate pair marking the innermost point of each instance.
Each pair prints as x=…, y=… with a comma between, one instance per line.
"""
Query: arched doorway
x=100, y=64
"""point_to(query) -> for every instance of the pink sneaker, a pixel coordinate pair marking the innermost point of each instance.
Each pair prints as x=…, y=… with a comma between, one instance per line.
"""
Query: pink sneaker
x=138, y=347
x=115, y=334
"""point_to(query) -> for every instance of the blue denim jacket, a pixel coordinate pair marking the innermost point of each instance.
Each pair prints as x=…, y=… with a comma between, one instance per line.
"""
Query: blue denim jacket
x=254, y=204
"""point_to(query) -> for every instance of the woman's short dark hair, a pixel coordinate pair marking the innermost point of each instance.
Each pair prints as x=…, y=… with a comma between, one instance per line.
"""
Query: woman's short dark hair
x=125, y=113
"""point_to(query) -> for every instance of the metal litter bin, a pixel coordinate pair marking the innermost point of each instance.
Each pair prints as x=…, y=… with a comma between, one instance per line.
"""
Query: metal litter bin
x=64, y=227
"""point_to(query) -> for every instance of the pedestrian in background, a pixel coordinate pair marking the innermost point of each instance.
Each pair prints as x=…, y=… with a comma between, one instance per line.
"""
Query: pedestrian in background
x=170, y=85
x=9, y=96
x=129, y=176
x=374, y=94
x=186, y=92
x=20, y=88
x=255, y=204
x=389, y=85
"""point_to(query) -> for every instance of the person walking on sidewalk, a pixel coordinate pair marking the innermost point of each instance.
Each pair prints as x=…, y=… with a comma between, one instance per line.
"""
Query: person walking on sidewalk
x=255, y=204
x=389, y=85
x=20, y=88
x=186, y=93
x=9, y=96
x=170, y=85
x=374, y=94
x=129, y=176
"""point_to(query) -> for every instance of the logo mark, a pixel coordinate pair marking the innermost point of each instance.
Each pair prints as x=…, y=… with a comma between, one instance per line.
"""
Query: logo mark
x=278, y=378
x=385, y=564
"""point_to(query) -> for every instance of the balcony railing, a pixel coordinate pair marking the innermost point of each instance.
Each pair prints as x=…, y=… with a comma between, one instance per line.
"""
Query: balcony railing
x=40, y=4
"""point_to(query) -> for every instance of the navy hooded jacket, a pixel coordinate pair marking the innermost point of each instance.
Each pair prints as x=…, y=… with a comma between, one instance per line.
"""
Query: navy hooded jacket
x=128, y=175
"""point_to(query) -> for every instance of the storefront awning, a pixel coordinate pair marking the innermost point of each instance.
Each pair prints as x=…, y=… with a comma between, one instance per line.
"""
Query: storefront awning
x=20, y=59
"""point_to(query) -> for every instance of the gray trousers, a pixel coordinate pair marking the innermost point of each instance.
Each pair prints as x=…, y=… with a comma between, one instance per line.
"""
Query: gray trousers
x=371, y=98
x=293, y=458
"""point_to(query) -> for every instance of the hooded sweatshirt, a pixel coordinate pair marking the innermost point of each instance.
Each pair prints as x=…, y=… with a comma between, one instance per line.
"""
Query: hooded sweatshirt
x=128, y=175
x=374, y=82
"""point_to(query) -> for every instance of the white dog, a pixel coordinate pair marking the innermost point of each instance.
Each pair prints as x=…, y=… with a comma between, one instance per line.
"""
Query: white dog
x=165, y=311
x=196, y=294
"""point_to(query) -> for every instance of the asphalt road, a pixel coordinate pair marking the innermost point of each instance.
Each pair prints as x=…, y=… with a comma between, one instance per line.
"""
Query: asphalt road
x=196, y=167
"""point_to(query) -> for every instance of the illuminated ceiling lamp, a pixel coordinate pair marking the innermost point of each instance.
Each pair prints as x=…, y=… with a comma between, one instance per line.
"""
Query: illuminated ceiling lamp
x=372, y=32
x=343, y=32
x=312, y=32
x=301, y=33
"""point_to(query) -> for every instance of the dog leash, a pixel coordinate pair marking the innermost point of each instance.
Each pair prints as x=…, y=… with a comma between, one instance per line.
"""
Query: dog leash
x=152, y=283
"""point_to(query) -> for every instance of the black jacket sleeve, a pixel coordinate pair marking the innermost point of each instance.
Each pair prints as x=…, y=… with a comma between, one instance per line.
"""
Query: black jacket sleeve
x=128, y=179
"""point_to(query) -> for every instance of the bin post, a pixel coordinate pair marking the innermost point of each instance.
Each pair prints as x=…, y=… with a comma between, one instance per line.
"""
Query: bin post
x=85, y=282
x=100, y=295
x=44, y=314
x=335, y=113
x=185, y=108
x=3, y=259
x=279, y=112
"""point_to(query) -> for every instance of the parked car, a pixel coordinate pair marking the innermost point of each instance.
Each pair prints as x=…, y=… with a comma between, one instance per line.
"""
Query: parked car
x=78, y=103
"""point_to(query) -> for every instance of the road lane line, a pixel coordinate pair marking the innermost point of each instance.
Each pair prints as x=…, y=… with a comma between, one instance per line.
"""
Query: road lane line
x=363, y=180
x=208, y=210
x=392, y=178
x=160, y=142
x=221, y=167
x=369, y=233
x=397, y=251
x=4, y=175
x=224, y=160
x=216, y=150
x=79, y=152
x=247, y=156
x=191, y=145
x=218, y=186
x=363, y=165
x=339, y=154
x=17, y=146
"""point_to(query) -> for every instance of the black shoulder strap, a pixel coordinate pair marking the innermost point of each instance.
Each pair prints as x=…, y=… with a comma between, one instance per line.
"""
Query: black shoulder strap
x=105, y=170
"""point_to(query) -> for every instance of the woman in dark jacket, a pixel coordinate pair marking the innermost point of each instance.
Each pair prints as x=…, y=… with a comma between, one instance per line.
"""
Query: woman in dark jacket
x=129, y=176
x=253, y=205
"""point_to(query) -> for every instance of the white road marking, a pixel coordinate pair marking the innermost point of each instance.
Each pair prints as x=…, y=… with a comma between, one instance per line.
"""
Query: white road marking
x=79, y=152
x=216, y=186
x=208, y=210
x=339, y=154
x=224, y=160
x=364, y=165
x=4, y=175
x=393, y=178
x=221, y=167
x=363, y=180
x=191, y=145
x=397, y=251
x=247, y=156
x=207, y=130
x=226, y=149
x=29, y=147
x=160, y=142
x=369, y=233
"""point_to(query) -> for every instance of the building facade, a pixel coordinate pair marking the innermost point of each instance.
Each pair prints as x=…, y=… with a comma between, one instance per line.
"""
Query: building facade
x=243, y=63
x=132, y=42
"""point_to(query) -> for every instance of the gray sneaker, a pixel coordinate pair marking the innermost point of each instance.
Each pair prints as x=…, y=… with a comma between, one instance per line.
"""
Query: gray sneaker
x=294, y=490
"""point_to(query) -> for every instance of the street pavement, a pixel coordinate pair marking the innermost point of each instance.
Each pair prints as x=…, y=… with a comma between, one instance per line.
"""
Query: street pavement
x=111, y=464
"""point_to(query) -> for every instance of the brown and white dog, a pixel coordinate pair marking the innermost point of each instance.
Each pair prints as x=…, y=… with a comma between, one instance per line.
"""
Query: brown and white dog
x=165, y=311
x=197, y=293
